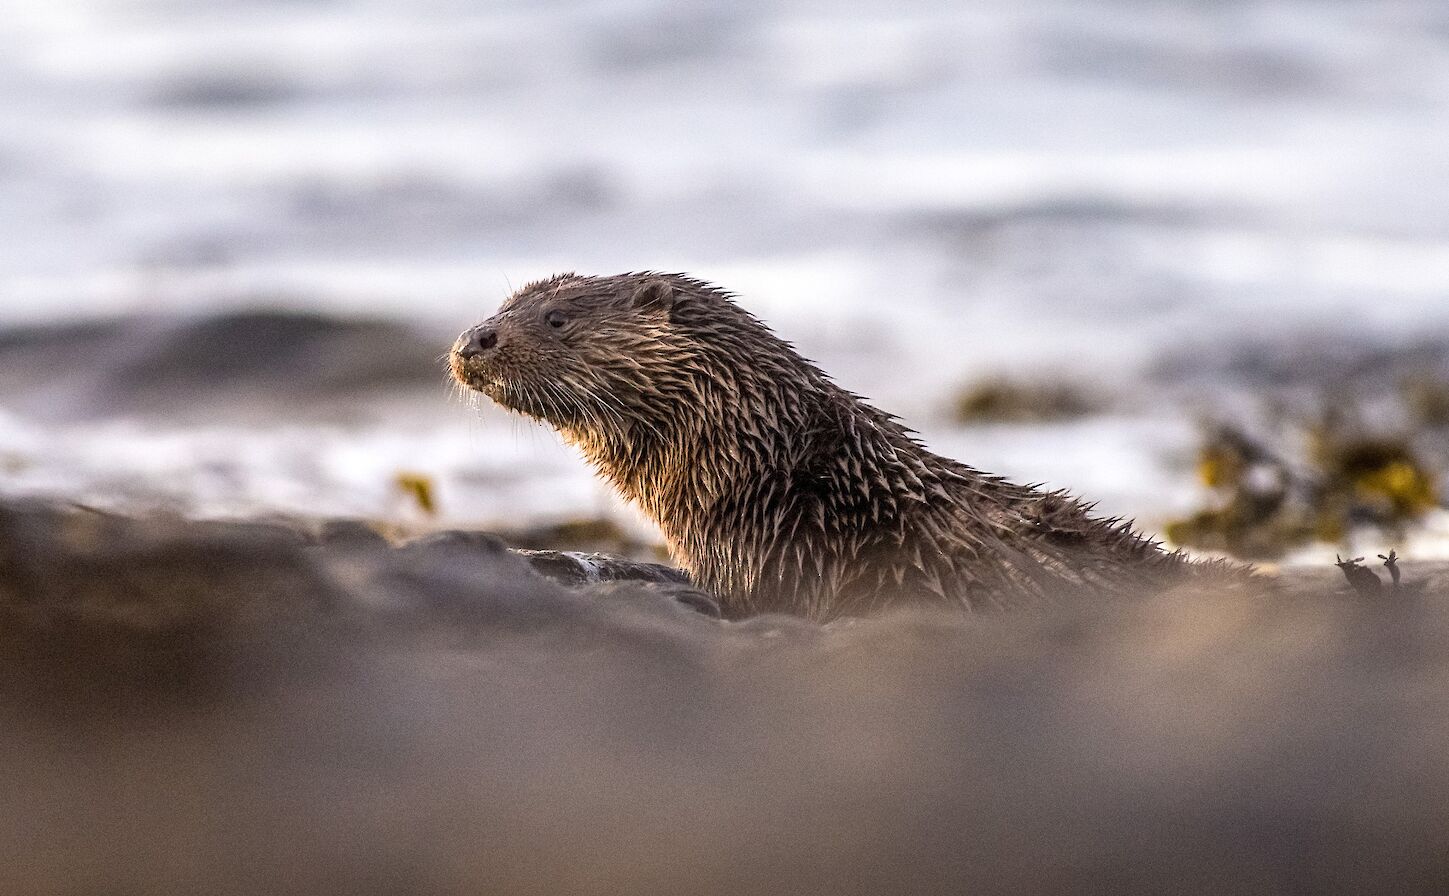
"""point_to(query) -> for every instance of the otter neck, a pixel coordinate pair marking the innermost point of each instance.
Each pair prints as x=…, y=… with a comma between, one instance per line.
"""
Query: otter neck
x=687, y=453
x=751, y=470
x=694, y=447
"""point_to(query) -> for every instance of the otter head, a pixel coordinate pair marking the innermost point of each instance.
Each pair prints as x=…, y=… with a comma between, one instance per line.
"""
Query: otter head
x=584, y=354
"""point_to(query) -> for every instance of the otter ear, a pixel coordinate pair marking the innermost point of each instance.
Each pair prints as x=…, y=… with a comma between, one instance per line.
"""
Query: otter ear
x=655, y=295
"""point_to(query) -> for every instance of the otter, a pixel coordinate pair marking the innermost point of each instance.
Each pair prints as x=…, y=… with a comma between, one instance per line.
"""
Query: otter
x=775, y=488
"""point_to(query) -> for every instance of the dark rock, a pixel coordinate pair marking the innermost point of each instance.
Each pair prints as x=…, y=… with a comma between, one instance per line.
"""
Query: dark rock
x=229, y=363
x=248, y=708
x=575, y=570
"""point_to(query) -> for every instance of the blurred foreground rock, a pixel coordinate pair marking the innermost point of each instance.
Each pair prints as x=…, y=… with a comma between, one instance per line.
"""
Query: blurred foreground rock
x=254, y=708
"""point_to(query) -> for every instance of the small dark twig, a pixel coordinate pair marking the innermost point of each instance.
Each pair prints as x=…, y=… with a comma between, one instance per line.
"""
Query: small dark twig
x=1363, y=579
x=1392, y=562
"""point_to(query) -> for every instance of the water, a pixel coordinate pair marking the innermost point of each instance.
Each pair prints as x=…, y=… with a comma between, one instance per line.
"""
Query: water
x=914, y=193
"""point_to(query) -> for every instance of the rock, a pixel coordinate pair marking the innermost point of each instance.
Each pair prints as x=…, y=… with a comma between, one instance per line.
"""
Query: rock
x=239, y=707
x=225, y=364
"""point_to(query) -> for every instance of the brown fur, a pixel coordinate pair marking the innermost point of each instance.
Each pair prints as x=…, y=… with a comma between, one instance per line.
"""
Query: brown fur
x=777, y=489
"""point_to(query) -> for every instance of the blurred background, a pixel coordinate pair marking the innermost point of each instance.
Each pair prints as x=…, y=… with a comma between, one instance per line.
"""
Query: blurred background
x=1188, y=259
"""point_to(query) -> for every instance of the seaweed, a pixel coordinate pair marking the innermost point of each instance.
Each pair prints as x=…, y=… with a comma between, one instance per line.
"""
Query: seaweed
x=589, y=534
x=1266, y=499
x=1366, y=582
x=1003, y=400
x=419, y=488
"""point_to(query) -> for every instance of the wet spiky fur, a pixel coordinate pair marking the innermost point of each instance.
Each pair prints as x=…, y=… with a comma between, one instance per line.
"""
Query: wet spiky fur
x=777, y=489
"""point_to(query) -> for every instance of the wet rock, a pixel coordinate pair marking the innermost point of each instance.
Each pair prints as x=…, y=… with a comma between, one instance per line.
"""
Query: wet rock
x=1314, y=361
x=213, y=366
x=245, y=708
x=576, y=569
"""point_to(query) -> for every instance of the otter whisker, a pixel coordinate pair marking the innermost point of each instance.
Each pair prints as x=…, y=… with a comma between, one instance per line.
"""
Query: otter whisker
x=613, y=406
x=599, y=399
x=565, y=402
x=572, y=399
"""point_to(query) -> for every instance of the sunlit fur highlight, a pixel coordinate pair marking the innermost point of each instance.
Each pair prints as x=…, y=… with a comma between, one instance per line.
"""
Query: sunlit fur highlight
x=774, y=487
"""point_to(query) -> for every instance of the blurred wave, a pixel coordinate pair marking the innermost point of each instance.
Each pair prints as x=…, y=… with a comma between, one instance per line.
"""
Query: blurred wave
x=1197, y=159
x=918, y=194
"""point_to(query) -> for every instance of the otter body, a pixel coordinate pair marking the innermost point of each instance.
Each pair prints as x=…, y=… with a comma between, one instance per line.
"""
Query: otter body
x=775, y=488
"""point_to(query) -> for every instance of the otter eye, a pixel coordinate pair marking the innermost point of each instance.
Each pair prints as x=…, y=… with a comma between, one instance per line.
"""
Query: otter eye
x=555, y=319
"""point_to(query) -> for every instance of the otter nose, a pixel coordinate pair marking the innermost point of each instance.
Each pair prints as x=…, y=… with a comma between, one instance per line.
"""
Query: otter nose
x=477, y=341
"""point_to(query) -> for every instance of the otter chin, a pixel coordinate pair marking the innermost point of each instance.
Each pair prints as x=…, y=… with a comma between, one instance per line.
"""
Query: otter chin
x=775, y=488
